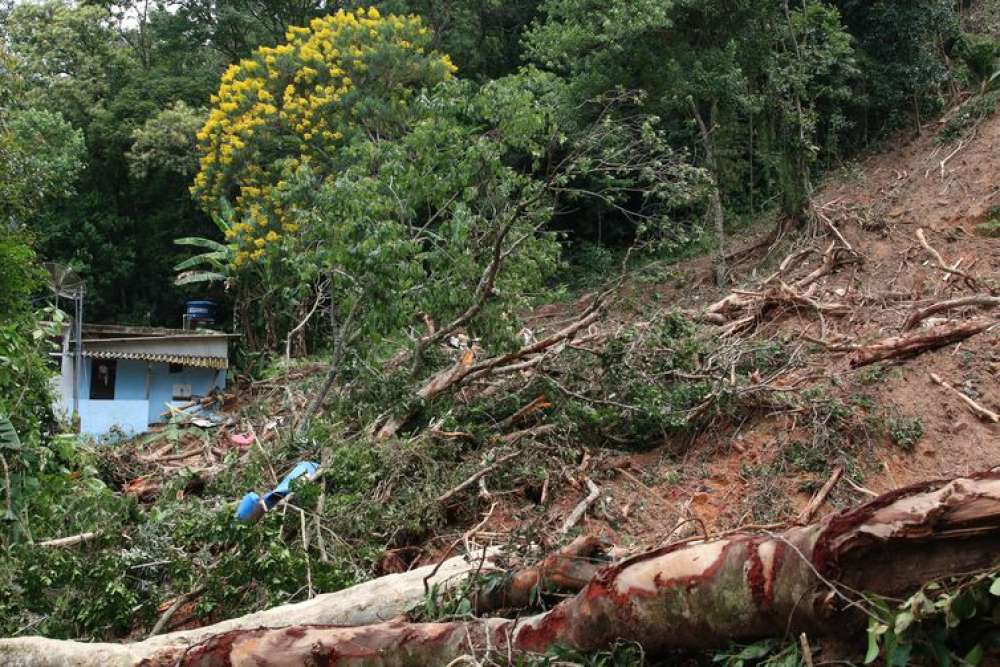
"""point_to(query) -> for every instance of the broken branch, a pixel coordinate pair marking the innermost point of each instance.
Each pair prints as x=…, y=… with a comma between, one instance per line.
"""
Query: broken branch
x=70, y=541
x=979, y=300
x=911, y=344
x=941, y=264
x=445, y=497
x=568, y=569
x=581, y=508
x=977, y=409
x=817, y=500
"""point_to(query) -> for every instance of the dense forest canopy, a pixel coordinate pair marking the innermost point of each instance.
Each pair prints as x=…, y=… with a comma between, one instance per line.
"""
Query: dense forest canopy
x=784, y=90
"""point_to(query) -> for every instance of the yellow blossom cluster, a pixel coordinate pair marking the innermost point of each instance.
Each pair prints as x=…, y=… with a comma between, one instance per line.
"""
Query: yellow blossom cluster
x=297, y=104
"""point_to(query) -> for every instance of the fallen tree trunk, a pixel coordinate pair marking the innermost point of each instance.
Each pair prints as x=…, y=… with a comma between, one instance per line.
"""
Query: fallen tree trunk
x=915, y=343
x=371, y=602
x=687, y=595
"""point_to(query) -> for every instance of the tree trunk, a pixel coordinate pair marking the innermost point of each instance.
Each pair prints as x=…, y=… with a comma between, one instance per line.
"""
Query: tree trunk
x=919, y=341
x=371, y=602
x=715, y=211
x=693, y=595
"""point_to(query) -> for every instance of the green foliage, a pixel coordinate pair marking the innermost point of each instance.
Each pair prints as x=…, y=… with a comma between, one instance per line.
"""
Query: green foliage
x=944, y=623
x=644, y=369
x=24, y=372
x=39, y=160
x=106, y=80
x=980, y=54
x=166, y=141
x=905, y=71
x=991, y=226
x=906, y=431
x=967, y=116
x=214, y=264
x=8, y=434
x=765, y=653
x=621, y=654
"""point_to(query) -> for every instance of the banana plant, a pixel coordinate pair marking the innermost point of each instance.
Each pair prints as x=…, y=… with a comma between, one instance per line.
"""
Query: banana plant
x=8, y=436
x=214, y=264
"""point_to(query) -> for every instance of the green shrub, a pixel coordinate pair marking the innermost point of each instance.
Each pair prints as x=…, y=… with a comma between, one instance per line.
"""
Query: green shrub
x=968, y=115
x=905, y=431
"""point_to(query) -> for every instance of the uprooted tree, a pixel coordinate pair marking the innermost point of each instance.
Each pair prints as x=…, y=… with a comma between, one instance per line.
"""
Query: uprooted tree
x=691, y=594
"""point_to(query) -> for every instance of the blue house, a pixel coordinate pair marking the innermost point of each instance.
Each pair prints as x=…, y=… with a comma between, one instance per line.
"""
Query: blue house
x=130, y=377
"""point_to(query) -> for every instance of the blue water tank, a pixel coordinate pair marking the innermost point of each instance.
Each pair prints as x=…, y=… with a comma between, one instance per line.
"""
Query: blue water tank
x=201, y=311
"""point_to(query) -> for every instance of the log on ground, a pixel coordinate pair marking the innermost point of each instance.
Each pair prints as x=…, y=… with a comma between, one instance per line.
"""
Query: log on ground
x=917, y=342
x=706, y=594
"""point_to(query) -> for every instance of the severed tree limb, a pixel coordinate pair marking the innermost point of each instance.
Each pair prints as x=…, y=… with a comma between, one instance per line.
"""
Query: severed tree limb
x=581, y=509
x=165, y=617
x=943, y=265
x=807, y=654
x=445, y=497
x=370, y=602
x=461, y=373
x=70, y=541
x=817, y=500
x=977, y=409
x=341, y=332
x=915, y=343
x=918, y=316
x=689, y=595
x=467, y=370
x=537, y=403
x=833, y=258
x=833, y=228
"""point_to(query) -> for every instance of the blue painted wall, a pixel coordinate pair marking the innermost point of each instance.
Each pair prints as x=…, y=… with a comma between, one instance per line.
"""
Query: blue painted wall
x=162, y=381
x=132, y=410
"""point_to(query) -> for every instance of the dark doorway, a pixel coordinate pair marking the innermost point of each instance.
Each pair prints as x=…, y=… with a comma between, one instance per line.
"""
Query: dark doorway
x=102, y=379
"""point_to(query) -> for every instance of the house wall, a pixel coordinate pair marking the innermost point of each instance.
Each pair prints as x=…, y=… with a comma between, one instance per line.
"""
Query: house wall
x=128, y=411
x=142, y=392
x=161, y=386
x=99, y=417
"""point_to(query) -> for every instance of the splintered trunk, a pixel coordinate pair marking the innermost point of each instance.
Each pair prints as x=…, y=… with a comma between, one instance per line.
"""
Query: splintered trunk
x=690, y=595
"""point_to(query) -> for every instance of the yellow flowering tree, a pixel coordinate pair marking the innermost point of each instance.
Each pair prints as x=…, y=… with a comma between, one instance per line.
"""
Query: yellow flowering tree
x=343, y=78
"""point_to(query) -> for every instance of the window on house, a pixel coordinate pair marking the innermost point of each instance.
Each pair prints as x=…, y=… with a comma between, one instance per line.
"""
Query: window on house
x=102, y=379
x=176, y=368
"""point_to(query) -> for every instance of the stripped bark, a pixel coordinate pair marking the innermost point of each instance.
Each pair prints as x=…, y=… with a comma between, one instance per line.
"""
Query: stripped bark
x=915, y=343
x=919, y=316
x=688, y=595
x=70, y=541
x=371, y=602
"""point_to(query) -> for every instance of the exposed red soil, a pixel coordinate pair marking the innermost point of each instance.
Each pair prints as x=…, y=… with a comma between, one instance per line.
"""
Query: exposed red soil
x=878, y=206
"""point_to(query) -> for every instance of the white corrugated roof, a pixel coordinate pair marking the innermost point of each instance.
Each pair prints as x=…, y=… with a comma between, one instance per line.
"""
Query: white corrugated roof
x=160, y=357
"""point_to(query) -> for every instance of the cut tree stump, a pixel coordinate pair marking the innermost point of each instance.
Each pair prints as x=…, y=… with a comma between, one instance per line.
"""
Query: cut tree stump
x=689, y=595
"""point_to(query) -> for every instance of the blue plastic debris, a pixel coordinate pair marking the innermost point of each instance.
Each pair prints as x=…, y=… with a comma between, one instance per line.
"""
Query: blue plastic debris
x=252, y=506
